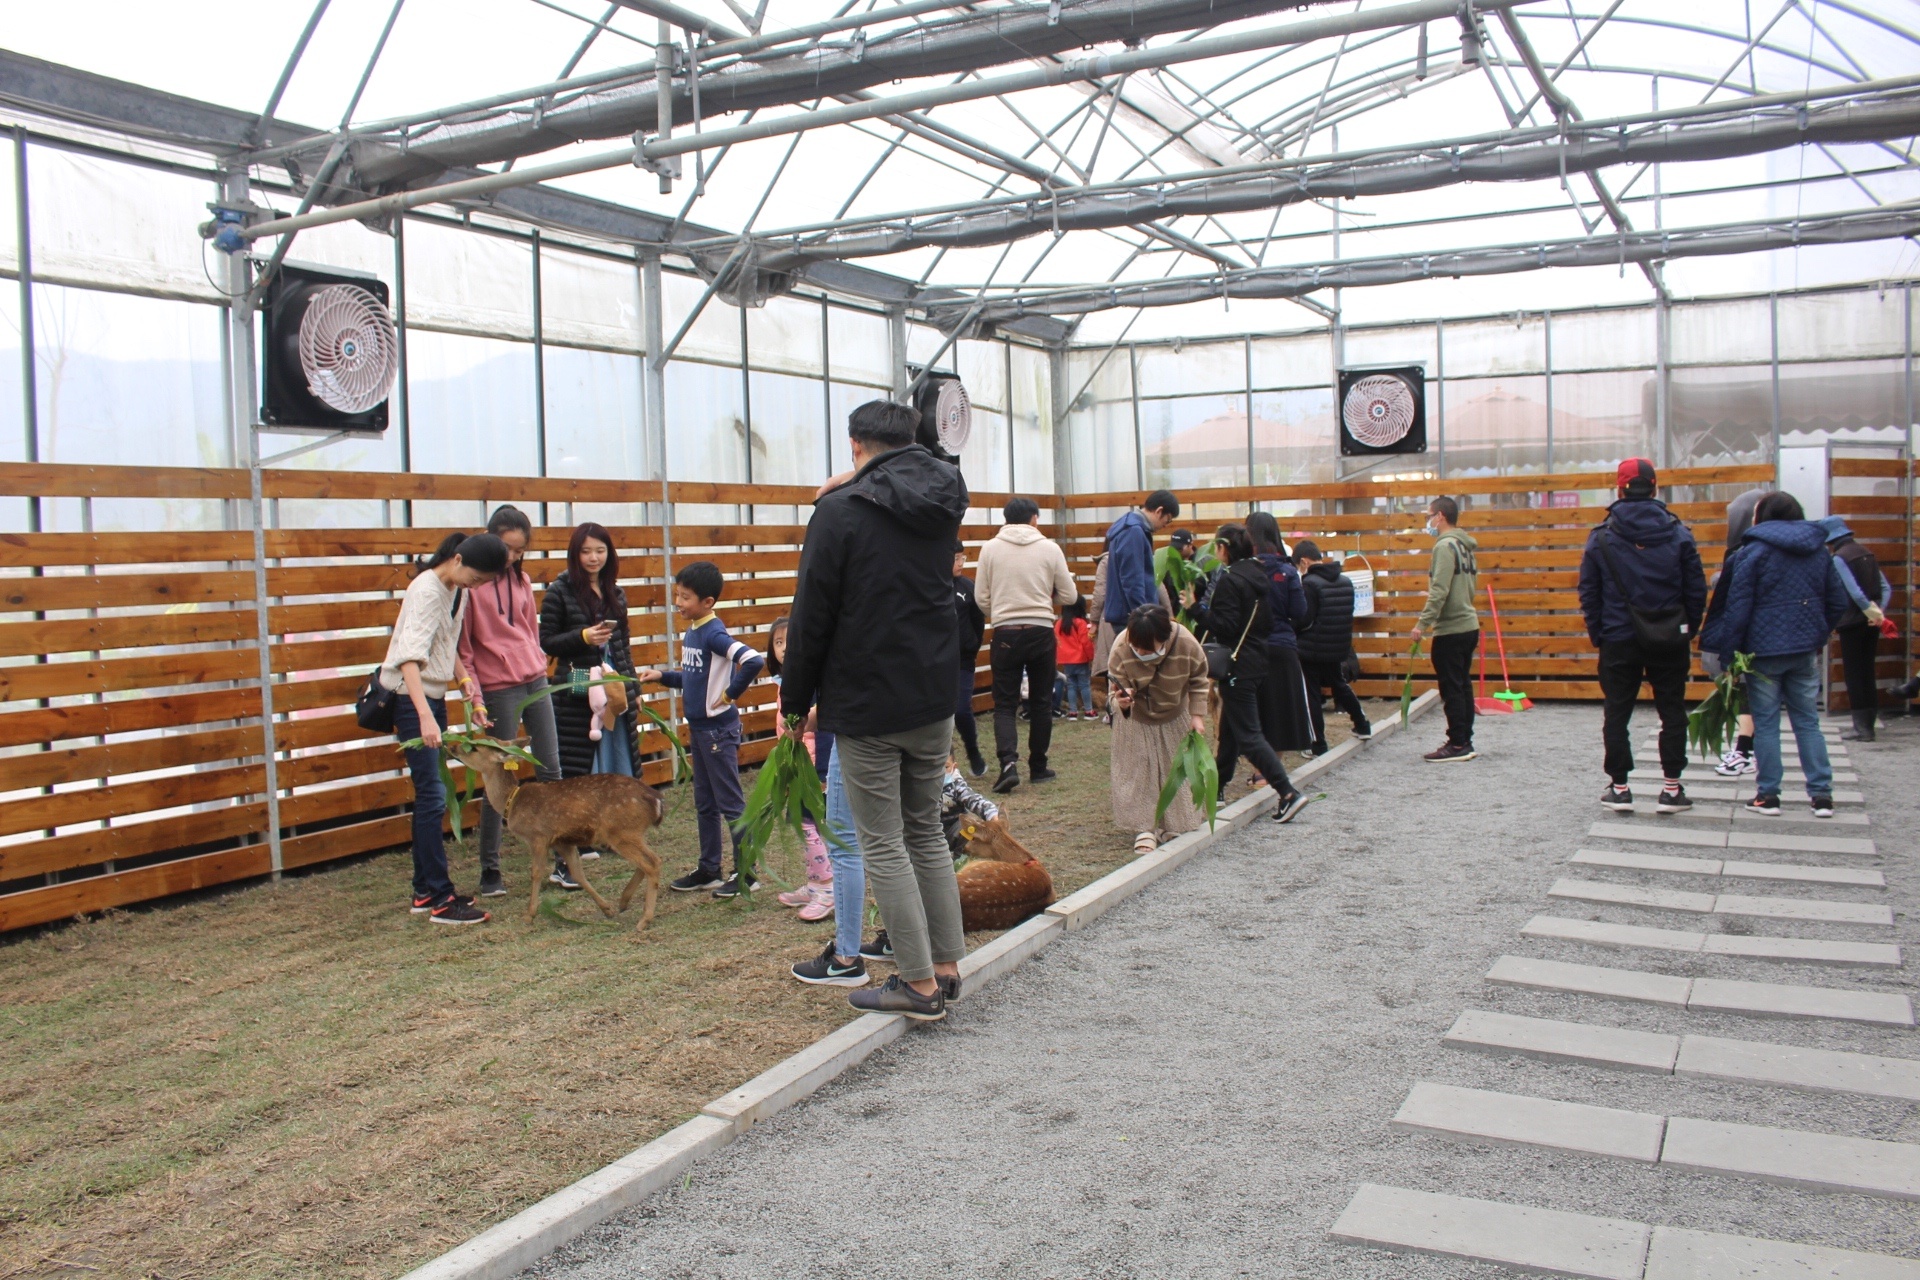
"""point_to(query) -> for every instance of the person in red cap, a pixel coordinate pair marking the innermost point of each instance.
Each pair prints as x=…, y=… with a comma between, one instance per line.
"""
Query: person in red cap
x=1642, y=592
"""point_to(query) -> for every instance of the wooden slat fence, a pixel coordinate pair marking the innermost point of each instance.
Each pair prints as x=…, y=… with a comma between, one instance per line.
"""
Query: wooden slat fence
x=129, y=678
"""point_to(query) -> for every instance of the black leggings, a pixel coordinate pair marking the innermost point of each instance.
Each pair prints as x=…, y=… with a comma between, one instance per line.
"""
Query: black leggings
x=1240, y=735
x=1858, y=645
x=963, y=706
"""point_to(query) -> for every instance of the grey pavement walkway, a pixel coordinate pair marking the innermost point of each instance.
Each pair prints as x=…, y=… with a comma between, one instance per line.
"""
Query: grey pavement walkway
x=1198, y=1083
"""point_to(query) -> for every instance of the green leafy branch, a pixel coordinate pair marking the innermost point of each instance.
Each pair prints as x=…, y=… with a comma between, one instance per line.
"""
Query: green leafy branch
x=786, y=794
x=466, y=740
x=1714, y=723
x=1194, y=766
x=1182, y=575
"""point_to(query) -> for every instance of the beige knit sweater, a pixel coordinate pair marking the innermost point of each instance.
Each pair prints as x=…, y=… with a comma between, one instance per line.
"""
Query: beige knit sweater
x=1023, y=574
x=1163, y=689
x=427, y=632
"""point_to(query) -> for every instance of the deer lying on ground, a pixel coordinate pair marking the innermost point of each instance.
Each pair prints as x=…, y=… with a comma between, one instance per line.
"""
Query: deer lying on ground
x=599, y=810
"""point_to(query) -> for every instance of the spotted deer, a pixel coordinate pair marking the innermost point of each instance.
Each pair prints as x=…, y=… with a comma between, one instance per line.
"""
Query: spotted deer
x=599, y=810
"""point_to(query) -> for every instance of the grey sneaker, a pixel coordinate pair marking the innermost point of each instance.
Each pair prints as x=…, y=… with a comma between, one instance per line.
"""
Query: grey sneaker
x=897, y=997
x=950, y=988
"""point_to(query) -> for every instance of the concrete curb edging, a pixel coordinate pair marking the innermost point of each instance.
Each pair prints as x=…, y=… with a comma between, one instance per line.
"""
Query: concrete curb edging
x=530, y=1235
x=506, y=1249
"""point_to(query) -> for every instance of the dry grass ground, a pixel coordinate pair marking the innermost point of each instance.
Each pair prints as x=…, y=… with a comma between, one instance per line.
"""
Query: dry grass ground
x=303, y=1080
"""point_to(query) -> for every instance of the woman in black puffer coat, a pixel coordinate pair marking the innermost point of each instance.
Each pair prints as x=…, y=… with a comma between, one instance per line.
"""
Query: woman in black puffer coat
x=583, y=624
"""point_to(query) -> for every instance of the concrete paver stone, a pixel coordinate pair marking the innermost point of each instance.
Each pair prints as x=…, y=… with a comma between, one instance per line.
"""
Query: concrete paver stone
x=1822, y=1070
x=1663, y=833
x=1781, y=1000
x=1878, y=955
x=1866, y=877
x=1730, y=904
x=1483, y=1115
x=1591, y=980
x=1601, y=934
x=1633, y=860
x=1801, y=844
x=1827, y=1162
x=1528, y=1239
x=1709, y=1255
x=1563, y=1041
x=1631, y=895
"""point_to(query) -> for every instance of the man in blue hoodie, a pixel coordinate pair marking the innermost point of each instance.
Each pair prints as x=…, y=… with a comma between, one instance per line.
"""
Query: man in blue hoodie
x=1784, y=598
x=1642, y=592
x=1130, y=581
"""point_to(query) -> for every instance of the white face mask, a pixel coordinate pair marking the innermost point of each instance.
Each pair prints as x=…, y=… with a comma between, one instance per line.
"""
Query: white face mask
x=1433, y=530
x=1155, y=656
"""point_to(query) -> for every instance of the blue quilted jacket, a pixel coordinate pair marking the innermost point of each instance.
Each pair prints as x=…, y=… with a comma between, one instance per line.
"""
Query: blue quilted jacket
x=1784, y=596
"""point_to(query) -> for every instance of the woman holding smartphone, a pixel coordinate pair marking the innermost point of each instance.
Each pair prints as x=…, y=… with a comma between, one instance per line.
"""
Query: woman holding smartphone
x=583, y=624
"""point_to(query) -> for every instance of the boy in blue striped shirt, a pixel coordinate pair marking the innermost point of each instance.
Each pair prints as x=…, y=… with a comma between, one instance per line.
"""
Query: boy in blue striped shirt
x=715, y=669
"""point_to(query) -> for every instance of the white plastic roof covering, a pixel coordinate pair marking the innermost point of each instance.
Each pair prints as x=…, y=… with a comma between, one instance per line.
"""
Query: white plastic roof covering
x=1619, y=57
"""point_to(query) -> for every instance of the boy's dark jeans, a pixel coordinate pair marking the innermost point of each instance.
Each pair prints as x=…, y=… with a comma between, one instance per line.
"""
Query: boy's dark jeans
x=717, y=798
x=1623, y=664
x=1453, y=668
x=430, y=878
x=1029, y=651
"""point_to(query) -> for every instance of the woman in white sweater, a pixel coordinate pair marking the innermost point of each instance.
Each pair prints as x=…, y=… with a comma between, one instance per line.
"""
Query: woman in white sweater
x=423, y=659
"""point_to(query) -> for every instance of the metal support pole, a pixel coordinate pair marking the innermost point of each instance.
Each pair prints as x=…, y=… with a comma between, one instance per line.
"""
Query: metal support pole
x=826, y=382
x=654, y=384
x=1906, y=483
x=897, y=341
x=1440, y=401
x=1248, y=340
x=29, y=386
x=402, y=394
x=235, y=190
x=1013, y=477
x=1662, y=380
x=1546, y=338
x=1133, y=387
x=1773, y=369
x=539, y=371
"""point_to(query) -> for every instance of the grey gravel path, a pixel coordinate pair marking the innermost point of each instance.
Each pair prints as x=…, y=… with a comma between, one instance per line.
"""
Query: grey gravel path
x=1195, y=1085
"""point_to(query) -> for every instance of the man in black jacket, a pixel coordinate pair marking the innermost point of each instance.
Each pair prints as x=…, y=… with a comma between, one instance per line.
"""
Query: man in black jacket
x=1642, y=592
x=1324, y=639
x=873, y=641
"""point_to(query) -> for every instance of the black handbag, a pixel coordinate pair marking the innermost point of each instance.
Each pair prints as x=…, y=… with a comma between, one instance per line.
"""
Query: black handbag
x=374, y=707
x=1653, y=628
x=1220, y=660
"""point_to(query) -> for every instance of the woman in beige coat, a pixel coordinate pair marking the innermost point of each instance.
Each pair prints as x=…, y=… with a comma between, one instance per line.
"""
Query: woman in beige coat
x=1158, y=686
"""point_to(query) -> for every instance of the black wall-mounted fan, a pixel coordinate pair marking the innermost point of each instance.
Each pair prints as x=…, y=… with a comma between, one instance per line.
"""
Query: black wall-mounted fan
x=329, y=350
x=1383, y=410
x=946, y=415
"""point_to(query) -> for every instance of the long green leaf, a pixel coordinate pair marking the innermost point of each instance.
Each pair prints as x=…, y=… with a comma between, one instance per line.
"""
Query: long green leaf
x=1193, y=765
x=447, y=790
x=1406, y=688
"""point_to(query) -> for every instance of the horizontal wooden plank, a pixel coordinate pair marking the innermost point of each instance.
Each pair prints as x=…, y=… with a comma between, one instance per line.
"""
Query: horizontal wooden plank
x=1877, y=467
x=99, y=893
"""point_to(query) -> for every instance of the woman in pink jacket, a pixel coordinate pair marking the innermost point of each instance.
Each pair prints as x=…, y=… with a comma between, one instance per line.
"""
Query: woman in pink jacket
x=500, y=646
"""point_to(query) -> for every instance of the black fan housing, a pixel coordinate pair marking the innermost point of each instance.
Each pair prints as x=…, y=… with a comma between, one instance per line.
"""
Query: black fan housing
x=329, y=352
x=1383, y=410
x=946, y=415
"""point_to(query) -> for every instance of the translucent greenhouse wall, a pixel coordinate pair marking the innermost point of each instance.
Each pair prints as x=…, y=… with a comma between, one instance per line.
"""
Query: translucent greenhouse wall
x=1709, y=383
x=523, y=356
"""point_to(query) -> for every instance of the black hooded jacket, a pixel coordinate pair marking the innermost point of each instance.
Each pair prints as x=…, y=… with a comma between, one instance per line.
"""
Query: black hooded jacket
x=1328, y=632
x=873, y=638
x=1654, y=566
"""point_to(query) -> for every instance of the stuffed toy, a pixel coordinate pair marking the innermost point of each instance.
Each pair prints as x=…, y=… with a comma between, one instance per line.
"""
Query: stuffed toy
x=608, y=701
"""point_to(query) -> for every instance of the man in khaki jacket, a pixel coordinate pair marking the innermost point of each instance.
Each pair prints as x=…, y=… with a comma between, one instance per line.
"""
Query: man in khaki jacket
x=1021, y=577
